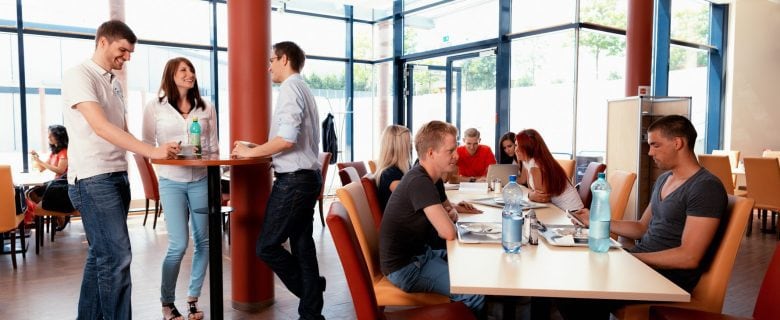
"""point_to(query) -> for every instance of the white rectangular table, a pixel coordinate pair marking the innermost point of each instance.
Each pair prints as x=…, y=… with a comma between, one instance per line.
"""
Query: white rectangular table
x=548, y=271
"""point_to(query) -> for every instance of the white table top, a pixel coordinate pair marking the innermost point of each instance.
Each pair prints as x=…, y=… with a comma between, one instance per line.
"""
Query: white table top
x=34, y=178
x=548, y=271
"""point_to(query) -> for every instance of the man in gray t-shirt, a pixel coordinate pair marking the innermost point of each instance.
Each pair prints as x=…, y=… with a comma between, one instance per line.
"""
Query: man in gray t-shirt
x=678, y=226
x=677, y=229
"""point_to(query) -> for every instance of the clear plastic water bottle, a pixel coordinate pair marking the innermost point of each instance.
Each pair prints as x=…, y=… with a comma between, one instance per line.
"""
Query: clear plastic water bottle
x=195, y=135
x=512, y=217
x=600, y=215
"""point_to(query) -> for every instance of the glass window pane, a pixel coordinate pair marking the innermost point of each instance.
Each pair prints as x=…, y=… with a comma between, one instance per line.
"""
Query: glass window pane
x=414, y=4
x=448, y=25
x=46, y=59
x=530, y=14
x=182, y=21
x=77, y=15
x=369, y=117
x=10, y=122
x=542, y=88
x=329, y=40
x=383, y=39
x=222, y=25
x=363, y=41
x=224, y=102
x=601, y=76
x=331, y=8
x=688, y=77
x=8, y=13
x=611, y=13
x=691, y=21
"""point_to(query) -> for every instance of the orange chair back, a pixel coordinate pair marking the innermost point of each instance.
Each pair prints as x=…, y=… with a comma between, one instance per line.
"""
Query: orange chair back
x=354, y=199
x=324, y=159
x=590, y=175
x=762, y=176
x=568, y=167
x=369, y=186
x=353, y=261
x=348, y=175
x=359, y=166
x=621, y=183
x=720, y=166
x=148, y=177
x=9, y=220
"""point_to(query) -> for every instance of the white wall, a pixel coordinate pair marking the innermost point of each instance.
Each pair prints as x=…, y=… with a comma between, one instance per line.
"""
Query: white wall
x=752, y=121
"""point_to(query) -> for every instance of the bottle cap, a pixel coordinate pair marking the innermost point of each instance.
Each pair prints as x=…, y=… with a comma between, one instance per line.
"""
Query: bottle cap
x=513, y=178
x=602, y=175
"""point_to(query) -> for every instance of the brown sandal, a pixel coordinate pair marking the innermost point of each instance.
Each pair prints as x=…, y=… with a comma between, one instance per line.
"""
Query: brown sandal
x=175, y=314
x=195, y=313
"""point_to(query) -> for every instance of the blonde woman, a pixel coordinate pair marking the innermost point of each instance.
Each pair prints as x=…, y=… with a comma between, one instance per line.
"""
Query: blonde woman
x=395, y=154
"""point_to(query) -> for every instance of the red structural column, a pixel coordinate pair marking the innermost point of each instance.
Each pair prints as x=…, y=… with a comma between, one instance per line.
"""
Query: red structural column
x=639, y=45
x=249, y=47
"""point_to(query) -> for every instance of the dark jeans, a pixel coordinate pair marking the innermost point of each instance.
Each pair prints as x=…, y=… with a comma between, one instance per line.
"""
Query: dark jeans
x=103, y=201
x=290, y=214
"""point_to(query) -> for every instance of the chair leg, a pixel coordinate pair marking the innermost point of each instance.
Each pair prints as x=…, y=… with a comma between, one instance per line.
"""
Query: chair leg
x=322, y=218
x=147, y=212
x=38, y=234
x=750, y=223
x=13, y=248
x=22, y=240
x=53, y=229
x=156, y=213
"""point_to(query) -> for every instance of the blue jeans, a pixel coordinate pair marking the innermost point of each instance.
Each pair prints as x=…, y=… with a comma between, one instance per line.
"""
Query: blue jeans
x=180, y=200
x=290, y=214
x=429, y=272
x=104, y=201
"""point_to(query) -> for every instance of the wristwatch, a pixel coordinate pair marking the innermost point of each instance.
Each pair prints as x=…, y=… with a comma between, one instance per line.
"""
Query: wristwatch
x=473, y=179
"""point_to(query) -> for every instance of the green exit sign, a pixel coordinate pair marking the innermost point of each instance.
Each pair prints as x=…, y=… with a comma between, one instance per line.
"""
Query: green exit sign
x=445, y=39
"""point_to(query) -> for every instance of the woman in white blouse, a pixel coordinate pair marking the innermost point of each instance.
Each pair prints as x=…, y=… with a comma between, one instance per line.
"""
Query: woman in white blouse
x=183, y=190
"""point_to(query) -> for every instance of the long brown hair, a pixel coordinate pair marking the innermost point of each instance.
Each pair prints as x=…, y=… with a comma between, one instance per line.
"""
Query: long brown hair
x=169, y=90
x=532, y=144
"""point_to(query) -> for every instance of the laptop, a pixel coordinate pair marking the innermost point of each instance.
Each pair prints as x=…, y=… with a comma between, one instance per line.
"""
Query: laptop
x=502, y=171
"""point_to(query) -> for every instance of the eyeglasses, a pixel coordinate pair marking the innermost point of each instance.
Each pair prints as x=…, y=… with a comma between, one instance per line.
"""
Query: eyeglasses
x=273, y=59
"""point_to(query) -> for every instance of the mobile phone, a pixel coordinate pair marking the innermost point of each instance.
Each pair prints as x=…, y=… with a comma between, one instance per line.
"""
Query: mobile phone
x=571, y=214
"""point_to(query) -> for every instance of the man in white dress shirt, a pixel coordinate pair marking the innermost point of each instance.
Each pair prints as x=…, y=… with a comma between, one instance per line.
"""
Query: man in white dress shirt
x=95, y=116
x=294, y=144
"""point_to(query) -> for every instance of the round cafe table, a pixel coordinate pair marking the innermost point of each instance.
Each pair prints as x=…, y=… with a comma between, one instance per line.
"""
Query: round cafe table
x=213, y=163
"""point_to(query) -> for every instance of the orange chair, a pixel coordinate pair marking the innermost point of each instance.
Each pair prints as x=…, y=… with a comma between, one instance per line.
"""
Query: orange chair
x=348, y=175
x=762, y=176
x=568, y=167
x=151, y=188
x=720, y=166
x=9, y=220
x=590, y=175
x=766, y=303
x=361, y=285
x=354, y=199
x=359, y=166
x=621, y=183
x=324, y=160
x=709, y=293
x=369, y=186
x=372, y=166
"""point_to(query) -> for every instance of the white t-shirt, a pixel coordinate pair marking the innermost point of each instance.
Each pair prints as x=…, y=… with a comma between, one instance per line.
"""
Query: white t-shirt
x=89, y=154
x=569, y=199
x=163, y=123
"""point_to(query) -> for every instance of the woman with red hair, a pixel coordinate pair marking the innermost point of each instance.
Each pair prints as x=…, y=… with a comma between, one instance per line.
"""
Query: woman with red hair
x=545, y=177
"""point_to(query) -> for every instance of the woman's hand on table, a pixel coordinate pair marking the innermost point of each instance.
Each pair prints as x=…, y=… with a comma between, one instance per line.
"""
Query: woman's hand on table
x=465, y=207
x=537, y=196
x=168, y=150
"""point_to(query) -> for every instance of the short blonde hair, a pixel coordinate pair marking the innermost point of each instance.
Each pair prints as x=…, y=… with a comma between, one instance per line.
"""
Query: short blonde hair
x=395, y=150
x=471, y=133
x=431, y=136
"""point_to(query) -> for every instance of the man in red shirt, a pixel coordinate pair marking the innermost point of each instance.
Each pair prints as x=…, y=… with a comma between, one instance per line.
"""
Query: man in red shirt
x=474, y=158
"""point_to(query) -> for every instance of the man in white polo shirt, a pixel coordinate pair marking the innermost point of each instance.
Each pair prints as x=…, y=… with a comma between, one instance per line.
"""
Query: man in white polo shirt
x=95, y=116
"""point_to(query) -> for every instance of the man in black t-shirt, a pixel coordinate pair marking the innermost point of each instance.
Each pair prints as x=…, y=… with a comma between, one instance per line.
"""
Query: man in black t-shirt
x=677, y=229
x=414, y=211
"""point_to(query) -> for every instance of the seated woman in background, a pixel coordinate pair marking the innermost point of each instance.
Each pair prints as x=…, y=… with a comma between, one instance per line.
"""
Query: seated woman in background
x=507, y=154
x=58, y=160
x=395, y=153
x=545, y=177
x=55, y=192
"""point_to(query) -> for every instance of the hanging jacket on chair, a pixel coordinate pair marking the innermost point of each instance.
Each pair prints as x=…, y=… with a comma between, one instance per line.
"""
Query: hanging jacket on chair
x=329, y=141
